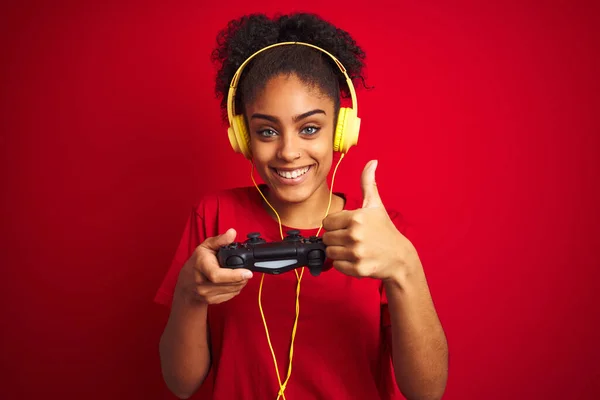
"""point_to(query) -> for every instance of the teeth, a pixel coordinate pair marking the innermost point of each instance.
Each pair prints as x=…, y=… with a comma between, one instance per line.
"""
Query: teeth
x=293, y=174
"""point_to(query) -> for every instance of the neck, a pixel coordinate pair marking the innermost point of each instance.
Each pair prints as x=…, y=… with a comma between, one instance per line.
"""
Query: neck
x=308, y=214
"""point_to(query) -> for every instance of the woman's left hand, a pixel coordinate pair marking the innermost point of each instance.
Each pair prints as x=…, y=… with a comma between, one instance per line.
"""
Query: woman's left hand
x=365, y=242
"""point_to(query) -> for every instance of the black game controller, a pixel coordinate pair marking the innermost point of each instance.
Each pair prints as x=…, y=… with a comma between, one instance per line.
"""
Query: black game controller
x=255, y=254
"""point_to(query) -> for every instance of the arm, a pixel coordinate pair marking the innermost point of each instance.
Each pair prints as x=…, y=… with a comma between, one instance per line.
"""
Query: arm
x=184, y=348
x=419, y=347
x=366, y=243
x=184, y=345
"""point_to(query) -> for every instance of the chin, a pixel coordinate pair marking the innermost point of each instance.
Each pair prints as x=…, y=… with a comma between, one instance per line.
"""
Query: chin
x=292, y=195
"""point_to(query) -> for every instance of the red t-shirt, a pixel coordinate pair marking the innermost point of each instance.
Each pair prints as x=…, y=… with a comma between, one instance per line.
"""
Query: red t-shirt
x=342, y=348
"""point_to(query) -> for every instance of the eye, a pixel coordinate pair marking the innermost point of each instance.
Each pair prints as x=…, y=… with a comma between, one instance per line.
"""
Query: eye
x=310, y=130
x=266, y=133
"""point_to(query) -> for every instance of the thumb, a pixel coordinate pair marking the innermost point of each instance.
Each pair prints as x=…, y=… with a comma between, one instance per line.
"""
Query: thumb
x=371, y=197
x=215, y=242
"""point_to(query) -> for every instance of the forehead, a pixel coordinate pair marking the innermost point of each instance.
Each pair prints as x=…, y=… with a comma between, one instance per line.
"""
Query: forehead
x=289, y=95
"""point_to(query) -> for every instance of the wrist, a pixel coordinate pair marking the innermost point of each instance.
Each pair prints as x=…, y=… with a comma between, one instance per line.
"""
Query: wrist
x=186, y=305
x=185, y=296
x=405, y=274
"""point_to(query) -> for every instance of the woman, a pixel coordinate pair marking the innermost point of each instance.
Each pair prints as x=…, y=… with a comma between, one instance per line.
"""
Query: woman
x=240, y=335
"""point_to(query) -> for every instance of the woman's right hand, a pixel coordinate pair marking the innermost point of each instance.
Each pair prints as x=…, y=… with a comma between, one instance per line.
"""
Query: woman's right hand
x=202, y=278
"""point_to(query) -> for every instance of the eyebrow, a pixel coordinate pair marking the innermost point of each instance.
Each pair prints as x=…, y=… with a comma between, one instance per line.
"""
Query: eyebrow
x=296, y=118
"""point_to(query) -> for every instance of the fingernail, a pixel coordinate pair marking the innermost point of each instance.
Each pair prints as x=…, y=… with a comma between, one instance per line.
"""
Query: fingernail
x=247, y=274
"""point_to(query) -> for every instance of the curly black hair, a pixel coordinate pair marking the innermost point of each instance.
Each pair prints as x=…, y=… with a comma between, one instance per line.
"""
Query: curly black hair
x=244, y=36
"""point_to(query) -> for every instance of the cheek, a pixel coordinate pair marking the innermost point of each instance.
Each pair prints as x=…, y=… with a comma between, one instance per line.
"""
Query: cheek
x=323, y=151
x=325, y=160
x=326, y=163
x=261, y=154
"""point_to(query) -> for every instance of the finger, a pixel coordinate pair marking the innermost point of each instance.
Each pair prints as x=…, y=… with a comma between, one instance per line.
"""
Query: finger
x=209, y=267
x=371, y=197
x=221, y=298
x=207, y=290
x=345, y=267
x=214, y=243
x=339, y=253
x=226, y=275
x=338, y=237
x=339, y=220
x=205, y=280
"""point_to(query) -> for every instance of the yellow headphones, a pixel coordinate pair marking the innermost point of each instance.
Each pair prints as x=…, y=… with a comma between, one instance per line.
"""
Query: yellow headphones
x=345, y=136
x=346, y=130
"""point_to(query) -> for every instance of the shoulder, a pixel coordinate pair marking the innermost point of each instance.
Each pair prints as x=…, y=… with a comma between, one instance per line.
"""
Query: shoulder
x=211, y=202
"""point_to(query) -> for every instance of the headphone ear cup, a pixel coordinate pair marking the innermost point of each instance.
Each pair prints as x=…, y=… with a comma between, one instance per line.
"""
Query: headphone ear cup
x=238, y=136
x=346, y=130
x=338, y=137
x=351, y=130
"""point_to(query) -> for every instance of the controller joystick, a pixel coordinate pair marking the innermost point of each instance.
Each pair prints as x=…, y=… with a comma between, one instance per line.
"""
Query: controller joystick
x=293, y=236
x=256, y=254
x=254, y=238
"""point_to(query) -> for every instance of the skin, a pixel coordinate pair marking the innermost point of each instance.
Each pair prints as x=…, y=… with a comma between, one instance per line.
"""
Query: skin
x=291, y=126
x=287, y=132
x=365, y=243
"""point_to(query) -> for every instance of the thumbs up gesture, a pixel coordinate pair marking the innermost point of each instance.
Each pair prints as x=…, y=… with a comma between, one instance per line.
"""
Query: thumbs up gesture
x=365, y=242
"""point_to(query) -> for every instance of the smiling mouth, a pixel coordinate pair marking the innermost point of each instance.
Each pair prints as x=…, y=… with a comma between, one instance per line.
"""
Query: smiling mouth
x=292, y=174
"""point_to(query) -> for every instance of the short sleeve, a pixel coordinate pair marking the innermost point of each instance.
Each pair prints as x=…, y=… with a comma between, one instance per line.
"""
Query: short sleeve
x=193, y=235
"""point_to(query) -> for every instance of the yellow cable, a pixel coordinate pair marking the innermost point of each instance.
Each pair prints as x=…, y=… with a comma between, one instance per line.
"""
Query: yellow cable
x=283, y=386
x=331, y=191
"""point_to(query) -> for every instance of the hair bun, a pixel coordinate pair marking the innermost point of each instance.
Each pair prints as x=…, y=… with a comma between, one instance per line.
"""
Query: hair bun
x=244, y=36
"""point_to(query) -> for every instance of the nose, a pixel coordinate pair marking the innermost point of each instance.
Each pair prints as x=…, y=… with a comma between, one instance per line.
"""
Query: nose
x=289, y=147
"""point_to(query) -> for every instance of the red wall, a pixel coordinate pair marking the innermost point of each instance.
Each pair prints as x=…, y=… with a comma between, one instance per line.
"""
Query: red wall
x=484, y=118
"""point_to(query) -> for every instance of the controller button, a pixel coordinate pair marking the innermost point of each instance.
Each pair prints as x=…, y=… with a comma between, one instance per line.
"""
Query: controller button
x=234, y=261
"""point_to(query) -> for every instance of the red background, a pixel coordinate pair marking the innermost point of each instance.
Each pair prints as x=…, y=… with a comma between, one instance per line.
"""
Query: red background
x=484, y=118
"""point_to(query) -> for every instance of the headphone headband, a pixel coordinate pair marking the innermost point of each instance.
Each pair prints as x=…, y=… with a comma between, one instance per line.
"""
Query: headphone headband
x=238, y=73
